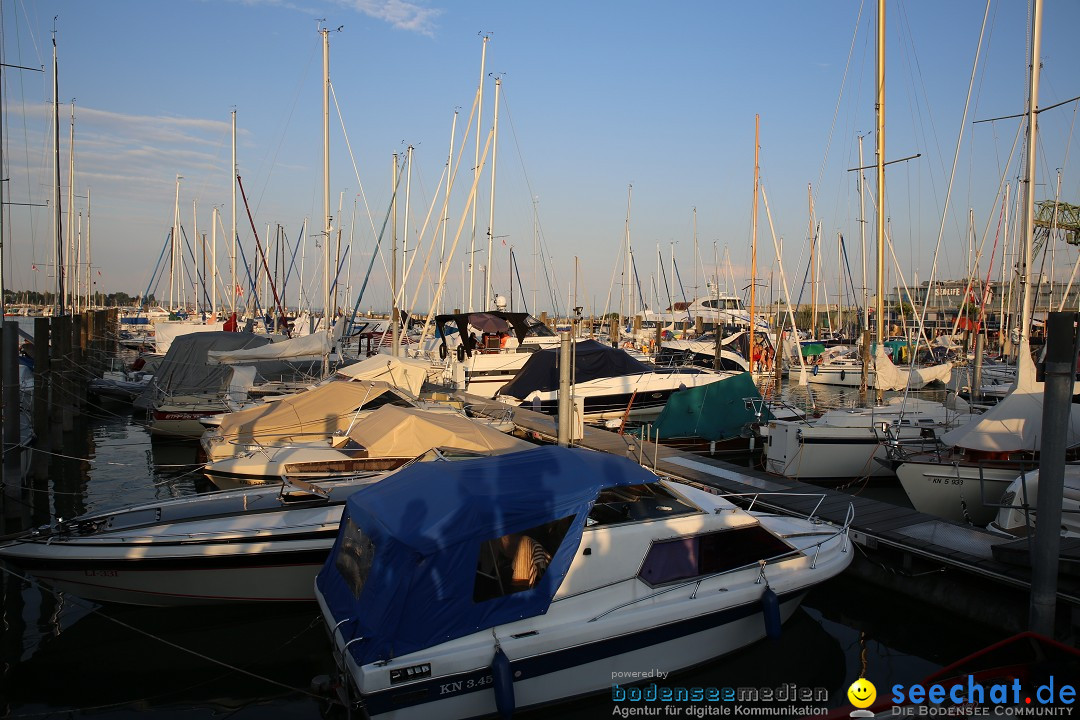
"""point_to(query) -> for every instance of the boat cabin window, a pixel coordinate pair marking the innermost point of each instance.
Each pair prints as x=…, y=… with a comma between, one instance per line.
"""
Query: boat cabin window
x=515, y=562
x=535, y=328
x=354, y=557
x=631, y=503
x=686, y=558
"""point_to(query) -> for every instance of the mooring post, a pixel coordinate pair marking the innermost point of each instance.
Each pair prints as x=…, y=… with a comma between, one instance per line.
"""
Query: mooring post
x=563, y=427
x=1057, y=401
x=78, y=359
x=67, y=390
x=11, y=408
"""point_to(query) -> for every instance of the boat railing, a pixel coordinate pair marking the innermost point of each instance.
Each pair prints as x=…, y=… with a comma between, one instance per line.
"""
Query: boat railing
x=761, y=564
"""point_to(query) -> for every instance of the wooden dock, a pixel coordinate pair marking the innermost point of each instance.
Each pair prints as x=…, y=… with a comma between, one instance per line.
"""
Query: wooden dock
x=908, y=551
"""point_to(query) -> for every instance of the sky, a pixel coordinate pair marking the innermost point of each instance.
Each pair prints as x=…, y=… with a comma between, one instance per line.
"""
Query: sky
x=615, y=119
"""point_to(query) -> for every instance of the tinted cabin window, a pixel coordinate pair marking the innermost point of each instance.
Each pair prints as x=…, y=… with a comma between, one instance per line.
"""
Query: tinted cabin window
x=516, y=562
x=355, y=557
x=680, y=559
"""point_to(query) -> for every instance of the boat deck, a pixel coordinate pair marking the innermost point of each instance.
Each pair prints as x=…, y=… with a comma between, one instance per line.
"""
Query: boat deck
x=918, y=540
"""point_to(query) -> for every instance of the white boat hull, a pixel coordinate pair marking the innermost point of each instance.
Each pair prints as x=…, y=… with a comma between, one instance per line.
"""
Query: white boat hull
x=955, y=492
x=586, y=668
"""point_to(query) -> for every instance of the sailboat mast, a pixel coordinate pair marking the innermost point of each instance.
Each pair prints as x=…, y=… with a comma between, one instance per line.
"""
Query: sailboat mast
x=72, y=274
x=629, y=260
x=326, y=186
x=489, y=299
x=476, y=169
x=232, y=252
x=174, y=269
x=213, y=264
x=862, y=239
x=1028, y=217
x=393, y=260
x=879, y=111
x=58, y=216
x=753, y=239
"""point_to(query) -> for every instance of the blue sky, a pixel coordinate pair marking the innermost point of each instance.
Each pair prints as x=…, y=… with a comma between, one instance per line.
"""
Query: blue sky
x=596, y=96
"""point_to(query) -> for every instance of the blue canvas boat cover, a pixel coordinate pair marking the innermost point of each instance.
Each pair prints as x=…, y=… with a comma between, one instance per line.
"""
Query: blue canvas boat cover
x=592, y=360
x=423, y=529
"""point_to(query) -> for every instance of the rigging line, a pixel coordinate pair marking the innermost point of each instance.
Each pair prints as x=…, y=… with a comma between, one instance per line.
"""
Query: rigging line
x=528, y=184
x=839, y=98
x=952, y=175
x=281, y=137
x=374, y=253
x=356, y=172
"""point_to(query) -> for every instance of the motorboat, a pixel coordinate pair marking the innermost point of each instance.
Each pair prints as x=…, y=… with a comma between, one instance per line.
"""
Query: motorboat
x=526, y=579
x=610, y=383
x=1018, y=514
x=846, y=443
x=387, y=438
x=480, y=352
x=256, y=544
x=327, y=410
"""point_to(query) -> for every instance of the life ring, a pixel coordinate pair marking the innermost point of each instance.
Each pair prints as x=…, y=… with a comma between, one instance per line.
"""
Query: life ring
x=442, y=351
x=461, y=353
x=843, y=374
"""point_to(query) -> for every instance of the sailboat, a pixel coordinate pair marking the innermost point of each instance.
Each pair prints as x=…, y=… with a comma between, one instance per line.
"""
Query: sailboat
x=966, y=481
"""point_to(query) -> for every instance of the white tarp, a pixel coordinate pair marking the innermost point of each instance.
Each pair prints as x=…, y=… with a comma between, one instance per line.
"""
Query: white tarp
x=165, y=331
x=405, y=373
x=889, y=377
x=299, y=349
x=1015, y=423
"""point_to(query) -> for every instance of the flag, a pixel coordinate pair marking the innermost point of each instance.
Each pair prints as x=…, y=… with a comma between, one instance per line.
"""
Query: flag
x=34, y=267
x=239, y=290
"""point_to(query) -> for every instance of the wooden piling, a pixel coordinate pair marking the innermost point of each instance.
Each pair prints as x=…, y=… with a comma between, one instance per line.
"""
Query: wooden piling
x=41, y=376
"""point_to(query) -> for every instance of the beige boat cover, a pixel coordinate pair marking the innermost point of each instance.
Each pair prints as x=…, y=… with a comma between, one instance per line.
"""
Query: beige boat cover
x=1015, y=423
x=393, y=431
x=323, y=410
x=405, y=373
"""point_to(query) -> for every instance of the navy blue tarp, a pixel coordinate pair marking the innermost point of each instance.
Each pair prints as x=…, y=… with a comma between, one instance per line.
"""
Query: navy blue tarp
x=592, y=360
x=427, y=524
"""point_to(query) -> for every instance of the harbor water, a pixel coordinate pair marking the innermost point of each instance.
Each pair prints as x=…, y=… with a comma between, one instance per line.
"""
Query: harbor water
x=61, y=656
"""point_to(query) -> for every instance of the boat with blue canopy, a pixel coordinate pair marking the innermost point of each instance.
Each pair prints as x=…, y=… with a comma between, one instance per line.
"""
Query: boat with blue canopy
x=529, y=578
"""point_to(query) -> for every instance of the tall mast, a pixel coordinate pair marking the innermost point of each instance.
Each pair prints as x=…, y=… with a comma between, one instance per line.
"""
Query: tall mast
x=213, y=264
x=195, y=234
x=72, y=274
x=879, y=111
x=405, y=234
x=862, y=240
x=1028, y=217
x=476, y=168
x=753, y=240
x=489, y=299
x=177, y=258
x=89, y=268
x=813, y=265
x=326, y=187
x=446, y=202
x=58, y=211
x=393, y=261
x=232, y=237
x=629, y=260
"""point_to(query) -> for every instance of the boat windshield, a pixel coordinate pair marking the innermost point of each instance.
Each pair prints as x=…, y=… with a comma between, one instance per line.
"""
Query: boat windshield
x=537, y=328
x=633, y=503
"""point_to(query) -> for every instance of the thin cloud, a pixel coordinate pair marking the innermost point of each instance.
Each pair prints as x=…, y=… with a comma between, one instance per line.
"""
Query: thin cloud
x=399, y=14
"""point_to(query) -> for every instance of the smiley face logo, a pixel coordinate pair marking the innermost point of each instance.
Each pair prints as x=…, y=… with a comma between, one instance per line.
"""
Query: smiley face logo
x=862, y=693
